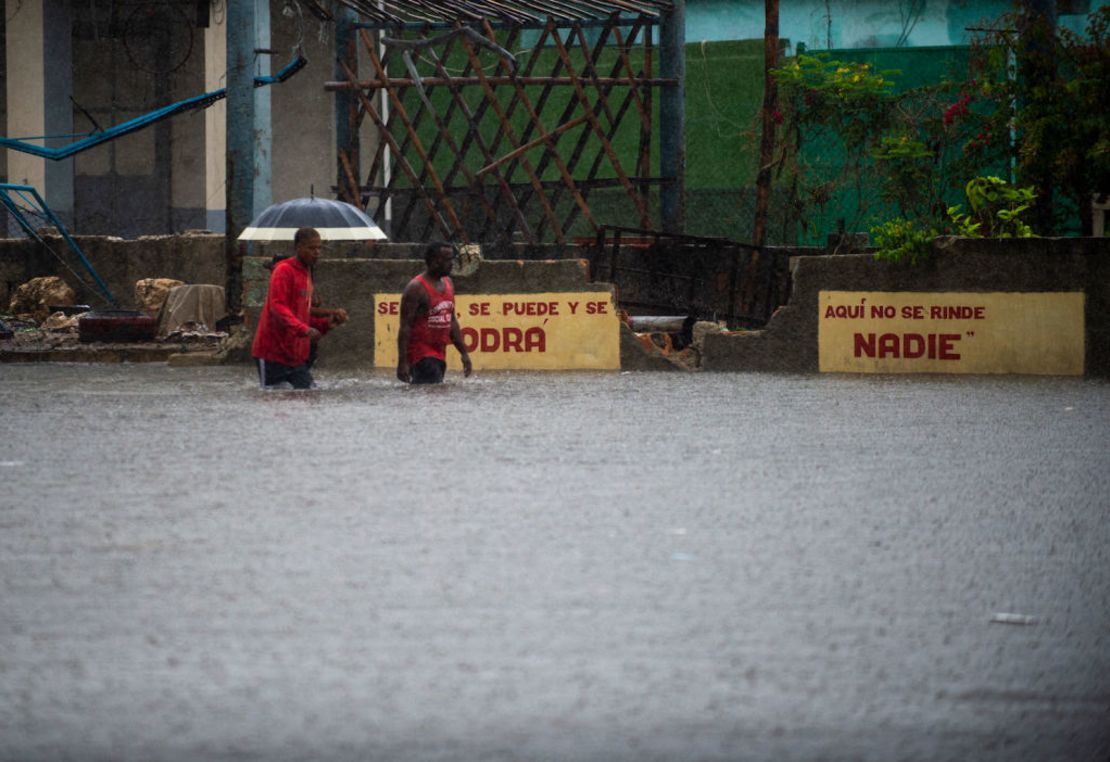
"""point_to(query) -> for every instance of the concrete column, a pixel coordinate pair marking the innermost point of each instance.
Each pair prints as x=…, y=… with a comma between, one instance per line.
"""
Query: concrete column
x=215, y=124
x=248, y=136
x=263, y=194
x=672, y=118
x=39, y=84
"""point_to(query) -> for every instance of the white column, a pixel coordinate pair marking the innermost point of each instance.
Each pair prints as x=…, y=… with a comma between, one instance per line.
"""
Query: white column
x=215, y=122
x=40, y=81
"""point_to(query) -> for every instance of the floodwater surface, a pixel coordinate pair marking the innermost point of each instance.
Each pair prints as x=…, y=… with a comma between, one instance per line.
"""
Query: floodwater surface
x=524, y=566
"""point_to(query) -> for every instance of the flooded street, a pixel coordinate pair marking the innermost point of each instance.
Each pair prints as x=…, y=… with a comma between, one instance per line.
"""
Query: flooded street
x=526, y=566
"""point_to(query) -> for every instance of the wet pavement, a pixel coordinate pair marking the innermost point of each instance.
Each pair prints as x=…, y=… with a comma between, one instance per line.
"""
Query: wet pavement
x=520, y=566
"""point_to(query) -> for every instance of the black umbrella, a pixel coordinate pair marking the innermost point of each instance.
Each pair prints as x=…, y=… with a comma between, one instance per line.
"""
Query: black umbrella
x=335, y=221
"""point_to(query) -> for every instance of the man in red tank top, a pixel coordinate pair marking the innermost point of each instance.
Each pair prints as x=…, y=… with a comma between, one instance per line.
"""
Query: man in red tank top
x=428, y=321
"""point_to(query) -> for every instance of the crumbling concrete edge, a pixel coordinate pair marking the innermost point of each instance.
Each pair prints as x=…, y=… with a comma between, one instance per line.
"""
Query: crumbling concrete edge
x=635, y=356
x=789, y=342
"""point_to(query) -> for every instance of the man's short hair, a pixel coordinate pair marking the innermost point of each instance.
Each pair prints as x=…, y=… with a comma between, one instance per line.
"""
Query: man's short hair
x=304, y=234
x=433, y=249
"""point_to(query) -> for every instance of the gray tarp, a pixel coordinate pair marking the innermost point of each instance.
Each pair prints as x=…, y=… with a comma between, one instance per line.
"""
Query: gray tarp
x=199, y=304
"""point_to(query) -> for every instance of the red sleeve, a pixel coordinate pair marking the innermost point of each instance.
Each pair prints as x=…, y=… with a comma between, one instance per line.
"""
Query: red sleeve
x=283, y=294
x=321, y=324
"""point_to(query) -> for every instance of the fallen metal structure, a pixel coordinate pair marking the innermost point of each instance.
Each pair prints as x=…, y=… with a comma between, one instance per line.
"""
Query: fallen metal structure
x=705, y=278
x=93, y=139
x=21, y=200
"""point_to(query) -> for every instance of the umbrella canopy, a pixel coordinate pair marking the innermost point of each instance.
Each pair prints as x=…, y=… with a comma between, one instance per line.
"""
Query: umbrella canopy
x=335, y=220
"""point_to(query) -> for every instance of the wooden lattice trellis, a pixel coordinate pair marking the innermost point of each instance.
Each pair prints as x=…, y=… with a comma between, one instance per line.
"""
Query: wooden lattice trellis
x=475, y=145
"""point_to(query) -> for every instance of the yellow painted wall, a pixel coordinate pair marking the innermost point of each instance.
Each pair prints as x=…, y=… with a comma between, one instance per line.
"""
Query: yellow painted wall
x=549, y=331
x=912, y=332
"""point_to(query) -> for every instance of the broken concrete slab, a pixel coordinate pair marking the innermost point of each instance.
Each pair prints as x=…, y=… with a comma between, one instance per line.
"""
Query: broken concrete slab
x=34, y=298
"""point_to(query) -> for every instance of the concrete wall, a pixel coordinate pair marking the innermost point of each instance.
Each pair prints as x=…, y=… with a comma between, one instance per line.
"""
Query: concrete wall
x=789, y=343
x=351, y=283
x=191, y=257
x=124, y=65
x=348, y=276
x=194, y=258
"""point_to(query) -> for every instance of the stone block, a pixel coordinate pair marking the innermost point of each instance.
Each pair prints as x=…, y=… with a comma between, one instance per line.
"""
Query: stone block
x=151, y=293
x=35, y=297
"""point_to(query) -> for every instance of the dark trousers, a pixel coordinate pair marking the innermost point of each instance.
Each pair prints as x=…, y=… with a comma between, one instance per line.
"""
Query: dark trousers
x=428, y=371
x=274, y=373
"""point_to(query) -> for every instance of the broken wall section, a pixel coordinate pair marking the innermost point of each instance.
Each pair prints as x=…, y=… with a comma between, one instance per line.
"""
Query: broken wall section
x=790, y=341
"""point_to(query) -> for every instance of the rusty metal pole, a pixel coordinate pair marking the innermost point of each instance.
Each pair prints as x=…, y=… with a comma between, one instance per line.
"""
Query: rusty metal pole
x=1037, y=67
x=770, y=107
x=672, y=119
x=346, y=109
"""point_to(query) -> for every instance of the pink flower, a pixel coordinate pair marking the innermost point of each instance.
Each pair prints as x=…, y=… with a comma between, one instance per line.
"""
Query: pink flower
x=959, y=108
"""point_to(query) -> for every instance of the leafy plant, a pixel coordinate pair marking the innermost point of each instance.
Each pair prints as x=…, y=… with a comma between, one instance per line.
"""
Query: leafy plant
x=825, y=89
x=996, y=209
x=907, y=171
x=1058, y=117
x=855, y=149
x=910, y=150
x=842, y=105
x=902, y=240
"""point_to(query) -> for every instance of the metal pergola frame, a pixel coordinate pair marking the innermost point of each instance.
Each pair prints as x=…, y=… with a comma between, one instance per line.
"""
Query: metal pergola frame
x=461, y=185
x=502, y=14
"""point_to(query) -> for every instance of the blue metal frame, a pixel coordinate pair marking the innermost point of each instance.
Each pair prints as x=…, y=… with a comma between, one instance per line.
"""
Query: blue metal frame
x=198, y=101
x=21, y=190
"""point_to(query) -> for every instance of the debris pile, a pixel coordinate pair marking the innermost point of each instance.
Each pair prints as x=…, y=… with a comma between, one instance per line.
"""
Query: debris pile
x=678, y=339
x=35, y=299
x=44, y=323
x=193, y=333
x=56, y=331
x=59, y=322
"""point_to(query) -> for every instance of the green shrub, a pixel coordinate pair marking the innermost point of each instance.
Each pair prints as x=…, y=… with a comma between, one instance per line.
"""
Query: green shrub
x=902, y=240
x=996, y=209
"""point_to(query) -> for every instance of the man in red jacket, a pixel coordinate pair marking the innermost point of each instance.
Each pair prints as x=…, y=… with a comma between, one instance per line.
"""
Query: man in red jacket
x=289, y=327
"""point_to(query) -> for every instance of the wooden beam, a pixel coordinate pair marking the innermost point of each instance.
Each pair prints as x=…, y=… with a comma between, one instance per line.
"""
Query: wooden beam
x=370, y=84
x=507, y=128
x=614, y=160
x=543, y=138
x=401, y=160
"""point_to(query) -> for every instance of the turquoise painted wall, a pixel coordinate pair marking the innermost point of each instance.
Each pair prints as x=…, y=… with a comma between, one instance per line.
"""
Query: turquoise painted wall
x=841, y=24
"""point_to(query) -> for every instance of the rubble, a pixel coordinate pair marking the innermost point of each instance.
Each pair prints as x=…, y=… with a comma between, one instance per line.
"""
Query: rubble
x=194, y=333
x=58, y=340
x=470, y=259
x=236, y=348
x=59, y=322
x=33, y=300
x=151, y=293
x=663, y=337
x=704, y=327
